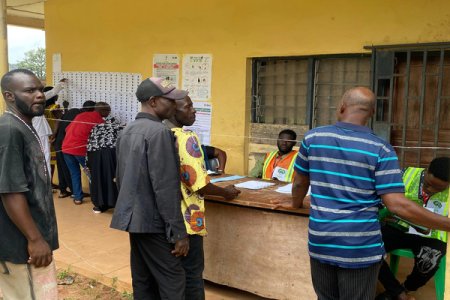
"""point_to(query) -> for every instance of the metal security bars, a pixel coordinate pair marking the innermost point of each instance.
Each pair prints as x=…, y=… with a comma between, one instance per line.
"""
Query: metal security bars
x=333, y=76
x=304, y=91
x=412, y=84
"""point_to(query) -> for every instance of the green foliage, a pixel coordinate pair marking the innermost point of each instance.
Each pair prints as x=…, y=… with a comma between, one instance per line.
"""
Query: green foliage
x=63, y=274
x=34, y=61
x=114, y=282
x=127, y=295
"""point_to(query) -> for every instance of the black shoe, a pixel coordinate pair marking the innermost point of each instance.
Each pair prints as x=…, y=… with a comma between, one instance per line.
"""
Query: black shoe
x=96, y=210
x=64, y=194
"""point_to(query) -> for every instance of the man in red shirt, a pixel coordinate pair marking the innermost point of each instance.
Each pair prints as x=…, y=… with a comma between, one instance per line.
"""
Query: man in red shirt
x=75, y=141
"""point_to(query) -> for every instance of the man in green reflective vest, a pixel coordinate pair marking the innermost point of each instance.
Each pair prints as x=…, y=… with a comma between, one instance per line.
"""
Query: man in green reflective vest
x=430, y=189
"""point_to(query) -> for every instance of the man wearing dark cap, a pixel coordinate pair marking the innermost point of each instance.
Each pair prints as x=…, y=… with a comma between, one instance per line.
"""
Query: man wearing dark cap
x=148, y=205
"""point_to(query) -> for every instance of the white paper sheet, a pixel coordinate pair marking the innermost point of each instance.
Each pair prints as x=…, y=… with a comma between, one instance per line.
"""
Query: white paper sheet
x=57, y=63
x=197, y=75
x=287, y=189
x=202, y=124
x=412, y=230
x=116, y=89
x=227, y=178
x=167, y=66
x=254, y=185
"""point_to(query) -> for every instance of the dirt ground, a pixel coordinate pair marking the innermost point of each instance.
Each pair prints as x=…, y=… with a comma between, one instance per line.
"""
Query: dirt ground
x=72, y=286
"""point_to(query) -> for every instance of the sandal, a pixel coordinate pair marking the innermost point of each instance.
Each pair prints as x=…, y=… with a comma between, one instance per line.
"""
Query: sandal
x=77, y=202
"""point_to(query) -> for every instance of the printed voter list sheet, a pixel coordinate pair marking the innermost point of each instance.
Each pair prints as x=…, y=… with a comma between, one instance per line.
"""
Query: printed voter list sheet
x=254, y=185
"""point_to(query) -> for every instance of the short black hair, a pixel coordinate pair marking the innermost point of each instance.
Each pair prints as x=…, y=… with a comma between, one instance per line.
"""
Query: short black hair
x=102, y=104
x=52, y=100
x=289, y=132
x=7, y=78
x=440, y=168
x=89, y=105
x=47, y=88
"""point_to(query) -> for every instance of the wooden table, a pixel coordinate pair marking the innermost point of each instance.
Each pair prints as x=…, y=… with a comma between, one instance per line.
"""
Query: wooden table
x=252, y=247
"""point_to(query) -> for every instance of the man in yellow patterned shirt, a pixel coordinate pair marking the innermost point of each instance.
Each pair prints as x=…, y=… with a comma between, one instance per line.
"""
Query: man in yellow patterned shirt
x=194, y=184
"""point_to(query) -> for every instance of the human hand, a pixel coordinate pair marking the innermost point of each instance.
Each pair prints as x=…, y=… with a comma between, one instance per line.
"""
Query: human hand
x=181, y=247
x=64, y=80
x=51, y=138
x=40, y=253
x=231, y=192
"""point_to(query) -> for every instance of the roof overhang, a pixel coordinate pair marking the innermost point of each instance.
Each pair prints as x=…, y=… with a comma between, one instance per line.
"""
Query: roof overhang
x=26, y=13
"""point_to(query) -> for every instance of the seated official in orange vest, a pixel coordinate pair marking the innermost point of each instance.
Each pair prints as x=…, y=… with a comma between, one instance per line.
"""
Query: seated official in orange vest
x=279, y=164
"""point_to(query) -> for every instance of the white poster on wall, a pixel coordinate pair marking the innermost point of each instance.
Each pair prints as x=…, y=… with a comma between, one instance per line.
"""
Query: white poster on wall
x=116, y=89
x=202, y=125
x=167, y=66
x=57, y=63
x=197, y=75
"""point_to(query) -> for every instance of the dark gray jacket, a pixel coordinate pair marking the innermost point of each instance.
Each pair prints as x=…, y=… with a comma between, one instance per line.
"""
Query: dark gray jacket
x=148, y=179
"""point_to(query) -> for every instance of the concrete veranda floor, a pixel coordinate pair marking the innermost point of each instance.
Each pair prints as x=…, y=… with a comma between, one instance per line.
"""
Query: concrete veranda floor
x=89, y=247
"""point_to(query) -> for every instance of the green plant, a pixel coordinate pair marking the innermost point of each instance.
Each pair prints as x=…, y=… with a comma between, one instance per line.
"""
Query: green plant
x=62, y=274
x=114, y=282
x=127, y=295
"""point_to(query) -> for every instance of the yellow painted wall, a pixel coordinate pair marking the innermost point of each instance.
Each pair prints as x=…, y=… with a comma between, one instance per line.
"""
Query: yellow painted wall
x=122, y=36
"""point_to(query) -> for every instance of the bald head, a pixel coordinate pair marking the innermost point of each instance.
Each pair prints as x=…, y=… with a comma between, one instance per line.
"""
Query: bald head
x=357, y=106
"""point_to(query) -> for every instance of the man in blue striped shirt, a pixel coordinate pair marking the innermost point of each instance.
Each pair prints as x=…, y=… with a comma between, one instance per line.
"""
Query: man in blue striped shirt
x=350, y=171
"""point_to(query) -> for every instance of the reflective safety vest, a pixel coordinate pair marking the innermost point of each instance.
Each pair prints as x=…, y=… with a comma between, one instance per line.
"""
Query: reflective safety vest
x=438, y=203
x=279, y=167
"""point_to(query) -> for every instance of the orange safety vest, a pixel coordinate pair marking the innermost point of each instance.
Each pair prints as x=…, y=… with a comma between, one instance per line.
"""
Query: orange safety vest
x=285, y=164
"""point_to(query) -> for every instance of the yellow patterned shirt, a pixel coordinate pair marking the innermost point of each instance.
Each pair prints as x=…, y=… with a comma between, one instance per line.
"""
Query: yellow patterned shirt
x=193, y=178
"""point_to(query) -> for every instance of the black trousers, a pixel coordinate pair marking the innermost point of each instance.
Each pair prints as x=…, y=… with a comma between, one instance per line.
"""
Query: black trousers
x=156, y=273
x=427, y=251
x=194, y=264
x=335, y=283
x=64, y=179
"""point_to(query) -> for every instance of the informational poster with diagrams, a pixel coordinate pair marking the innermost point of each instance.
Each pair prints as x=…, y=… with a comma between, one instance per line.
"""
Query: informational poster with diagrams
x=167, y=66
x=197, y=75
x=116, y=89
x=202, y=125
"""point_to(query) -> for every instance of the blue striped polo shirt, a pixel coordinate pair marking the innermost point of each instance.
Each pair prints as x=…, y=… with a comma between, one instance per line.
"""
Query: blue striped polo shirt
x=349, y=168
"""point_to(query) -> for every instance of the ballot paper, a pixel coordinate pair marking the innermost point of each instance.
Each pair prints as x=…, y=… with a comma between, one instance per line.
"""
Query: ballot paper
x=287, y=189
x=228, y=178
x=254, y=185
x=412, y=229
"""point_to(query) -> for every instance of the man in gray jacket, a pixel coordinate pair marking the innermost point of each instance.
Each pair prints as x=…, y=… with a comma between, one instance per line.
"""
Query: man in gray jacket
x=148, y=205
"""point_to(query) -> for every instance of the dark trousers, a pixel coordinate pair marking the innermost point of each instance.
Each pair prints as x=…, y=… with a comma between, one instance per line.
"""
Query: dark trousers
x=64, y=179
x=156, y=273
x=427, y=251
x=194, y=264
x=335, y=283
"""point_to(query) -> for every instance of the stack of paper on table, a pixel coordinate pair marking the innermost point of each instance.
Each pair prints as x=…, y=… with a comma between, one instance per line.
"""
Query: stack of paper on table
x=287, y=189
x=227, y=178
x=254, y=185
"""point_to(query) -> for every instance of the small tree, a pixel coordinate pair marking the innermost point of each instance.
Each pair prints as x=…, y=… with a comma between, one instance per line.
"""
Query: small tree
x=34, y=61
